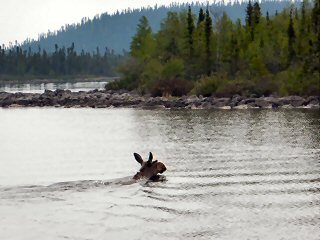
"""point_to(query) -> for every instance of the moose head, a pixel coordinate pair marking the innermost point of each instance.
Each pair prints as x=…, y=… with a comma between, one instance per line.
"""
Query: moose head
x=149, y=169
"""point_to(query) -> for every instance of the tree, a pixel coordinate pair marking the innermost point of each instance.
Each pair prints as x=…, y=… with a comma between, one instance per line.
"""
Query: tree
x=208, y=40
x=256, y=13
x=249, y=20
x=268, y=18
x=249, y=14
x=190, y=30
x=201, y=17
x=316, y=24
x=291, y=39
x=142, y=43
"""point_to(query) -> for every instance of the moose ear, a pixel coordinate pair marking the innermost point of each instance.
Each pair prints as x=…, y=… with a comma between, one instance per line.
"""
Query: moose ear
x=150, y=157
x=138, y=158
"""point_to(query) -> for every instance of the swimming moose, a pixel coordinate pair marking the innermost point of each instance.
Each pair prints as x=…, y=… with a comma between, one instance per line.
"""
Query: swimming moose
x=149, y=169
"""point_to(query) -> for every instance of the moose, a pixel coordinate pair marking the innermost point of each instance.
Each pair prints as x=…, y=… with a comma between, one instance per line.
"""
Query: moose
x=149, y=169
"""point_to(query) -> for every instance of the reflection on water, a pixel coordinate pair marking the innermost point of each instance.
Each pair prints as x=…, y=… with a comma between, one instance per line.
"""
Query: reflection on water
x=231, y=174
x=39, y=88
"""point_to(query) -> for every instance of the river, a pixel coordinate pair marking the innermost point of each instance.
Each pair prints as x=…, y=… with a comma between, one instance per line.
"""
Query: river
x=244, y=174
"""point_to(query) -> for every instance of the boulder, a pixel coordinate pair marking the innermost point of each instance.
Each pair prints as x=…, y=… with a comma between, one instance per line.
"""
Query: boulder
x=263, y=103
x=294, y=101
x=220, y=102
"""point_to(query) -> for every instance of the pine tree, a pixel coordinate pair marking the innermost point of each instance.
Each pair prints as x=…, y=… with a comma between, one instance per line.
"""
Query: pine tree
x=291, y=39
x=303, y=18
x=190, y=29
x=201, y=17
x=316, y=20
x=268, y=18
x=249, y=14
x=249, y=20
x=208, y=38
x=315, y=17
x=141, y=42
x=256, y=13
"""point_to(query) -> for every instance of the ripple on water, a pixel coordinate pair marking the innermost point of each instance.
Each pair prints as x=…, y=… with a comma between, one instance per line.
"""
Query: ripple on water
x=231, y=174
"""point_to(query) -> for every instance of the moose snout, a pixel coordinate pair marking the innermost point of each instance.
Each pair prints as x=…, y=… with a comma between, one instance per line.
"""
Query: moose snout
x=162, y=168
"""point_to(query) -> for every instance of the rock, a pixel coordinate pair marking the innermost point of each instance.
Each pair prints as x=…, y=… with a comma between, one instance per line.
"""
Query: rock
x=235, y=100
x=103, y=99
x=225, y=107
x=287, y=106
x=294, y=101
x=247, y=101
x=313, y=100
x=48, y=93
x=58, y=92
x=220, y=102
x=262, y=103
x=206, y=105
x=242, y=106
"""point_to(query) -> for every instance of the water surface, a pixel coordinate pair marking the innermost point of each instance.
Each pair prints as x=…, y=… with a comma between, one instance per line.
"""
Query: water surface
x=251, y=174
x=40, y=88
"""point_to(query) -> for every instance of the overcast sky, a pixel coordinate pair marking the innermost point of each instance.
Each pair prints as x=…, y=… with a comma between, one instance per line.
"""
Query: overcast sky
x=21, y=19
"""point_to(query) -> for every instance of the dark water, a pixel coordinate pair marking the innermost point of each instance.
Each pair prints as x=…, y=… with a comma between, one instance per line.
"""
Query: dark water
x=231, y=174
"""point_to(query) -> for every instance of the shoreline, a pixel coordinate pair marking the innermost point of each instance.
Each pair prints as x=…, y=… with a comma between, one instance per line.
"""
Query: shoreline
x=109, y=99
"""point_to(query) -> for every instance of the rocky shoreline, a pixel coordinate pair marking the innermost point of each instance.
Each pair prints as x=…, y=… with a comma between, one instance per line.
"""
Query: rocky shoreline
x=106, y=99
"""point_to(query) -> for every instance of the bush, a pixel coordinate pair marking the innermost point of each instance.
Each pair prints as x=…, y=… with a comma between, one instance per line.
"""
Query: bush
x=206, y=86
x=235, y=87
x=173, y=69
x=264, y=86
x=124, y=83
x=171, y=87
x=151, y=74
x=131, y=70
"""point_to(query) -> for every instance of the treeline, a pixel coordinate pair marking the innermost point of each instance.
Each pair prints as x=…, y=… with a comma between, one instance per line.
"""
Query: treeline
x=62, y=62
x=116, y=30
x=211, y=54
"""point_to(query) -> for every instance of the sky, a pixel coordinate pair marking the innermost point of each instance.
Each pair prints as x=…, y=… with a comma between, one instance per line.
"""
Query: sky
x=22, y=19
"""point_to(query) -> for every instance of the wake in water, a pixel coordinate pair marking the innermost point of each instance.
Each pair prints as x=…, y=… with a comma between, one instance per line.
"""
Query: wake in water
x=34, y=191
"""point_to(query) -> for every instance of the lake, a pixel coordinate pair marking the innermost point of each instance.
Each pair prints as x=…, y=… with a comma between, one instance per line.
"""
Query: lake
x=41, y=87
x=245, y=174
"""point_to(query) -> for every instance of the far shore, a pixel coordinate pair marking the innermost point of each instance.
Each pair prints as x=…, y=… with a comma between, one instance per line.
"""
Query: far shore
x=108, y=98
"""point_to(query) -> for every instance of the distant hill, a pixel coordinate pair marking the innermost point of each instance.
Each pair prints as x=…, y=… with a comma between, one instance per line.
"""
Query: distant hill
x=115, y=31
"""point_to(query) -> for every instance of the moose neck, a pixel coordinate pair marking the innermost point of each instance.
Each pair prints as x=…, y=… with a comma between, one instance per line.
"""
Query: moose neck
x=137, y=176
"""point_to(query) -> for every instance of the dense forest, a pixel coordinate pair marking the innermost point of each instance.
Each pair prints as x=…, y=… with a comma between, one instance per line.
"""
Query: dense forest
x=208, y=53
x=116, y=30
x=63, y=61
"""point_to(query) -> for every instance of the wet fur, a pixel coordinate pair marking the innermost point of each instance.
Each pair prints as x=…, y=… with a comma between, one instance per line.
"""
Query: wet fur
x=149, y=169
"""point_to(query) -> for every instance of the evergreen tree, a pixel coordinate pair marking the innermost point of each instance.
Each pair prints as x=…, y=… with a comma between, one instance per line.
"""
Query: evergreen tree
x=291, y=39
x=142, y=42
x=201, y=17
x=208, y=39
x=250, y=20
x=190, y=30
x=268, y=18
x=256, y=13
x=316, y=23
x=249, y=14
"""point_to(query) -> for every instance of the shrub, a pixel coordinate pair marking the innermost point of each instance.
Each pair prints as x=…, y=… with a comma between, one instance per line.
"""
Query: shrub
x=235, y=87
x=206, y=86
x=173, y=69
x=124, y=83
x=171, y=87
